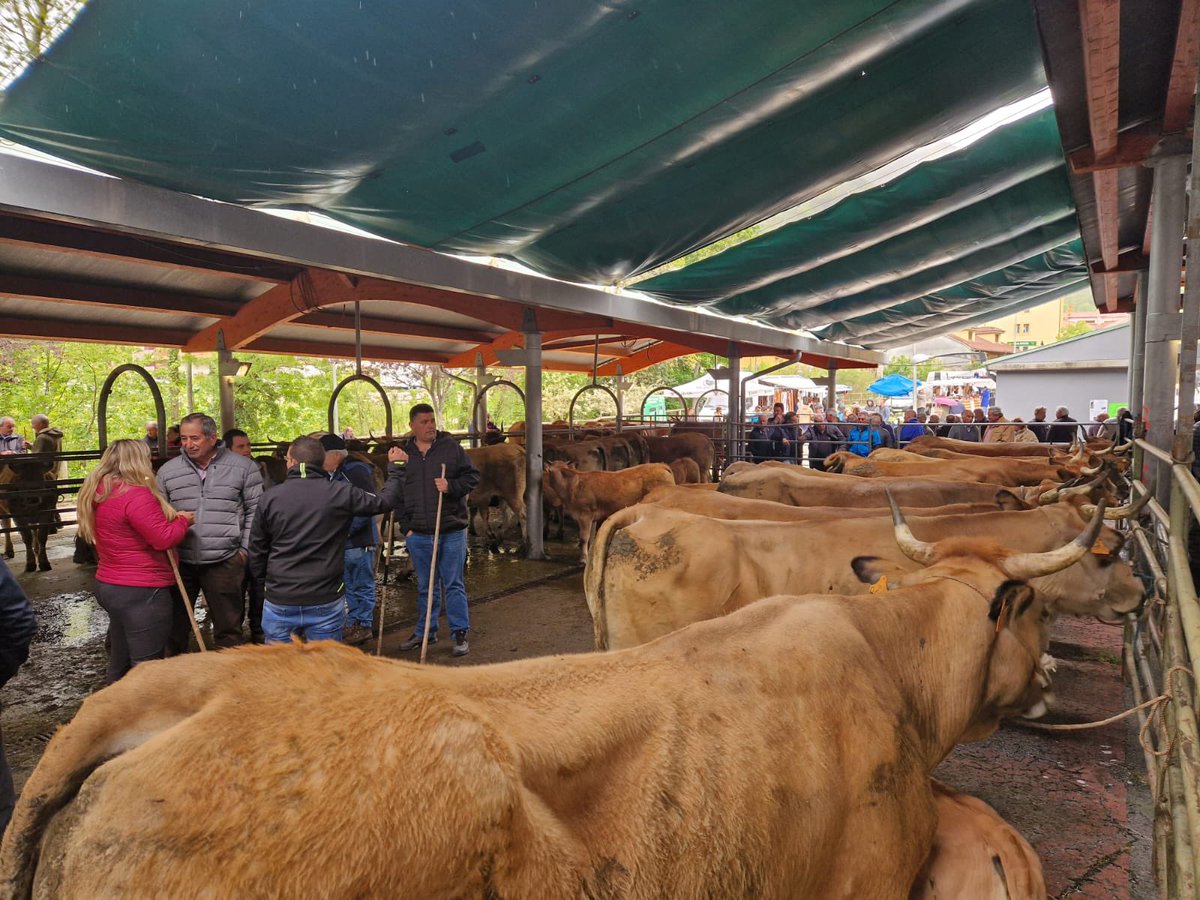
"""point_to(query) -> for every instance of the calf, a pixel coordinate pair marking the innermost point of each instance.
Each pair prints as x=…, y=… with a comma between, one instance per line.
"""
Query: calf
x=685, y=444
x=31, y=495
x=591, y=497
x=501, y=480
x=686, y=471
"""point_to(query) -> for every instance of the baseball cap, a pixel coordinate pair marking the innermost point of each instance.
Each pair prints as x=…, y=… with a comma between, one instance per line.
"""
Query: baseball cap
x=332, y=442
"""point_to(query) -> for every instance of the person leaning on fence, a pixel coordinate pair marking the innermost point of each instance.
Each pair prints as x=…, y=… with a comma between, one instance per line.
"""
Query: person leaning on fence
x=424, y=455
x=824, y=438
x=222, y=489
x=11, y=443
x=124, y=513
x=297, y=550
x=17, y=628
x=867, y=435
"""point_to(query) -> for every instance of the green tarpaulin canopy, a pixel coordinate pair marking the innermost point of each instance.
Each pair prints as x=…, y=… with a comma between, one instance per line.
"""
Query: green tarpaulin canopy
x=591, y=141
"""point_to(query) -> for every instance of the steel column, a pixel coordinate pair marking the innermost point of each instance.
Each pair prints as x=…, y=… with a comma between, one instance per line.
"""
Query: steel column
x=733, y=415
x=533, y=435
x=1137, y=370
x=1162, y=306
x=225, y=389
x=831, y=394
x=1190, y=324
x=481, y=412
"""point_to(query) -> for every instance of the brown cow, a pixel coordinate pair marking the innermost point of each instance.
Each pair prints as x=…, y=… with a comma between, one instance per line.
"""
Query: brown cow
x=712, y=763
x=30, y=495
x=805, y=487
x=687, y=444
x=1011, y=472
x=931, y=442
x=501, y=479
x=686, y=471
x=653, y=570
x=591, y=497
x=976, y=853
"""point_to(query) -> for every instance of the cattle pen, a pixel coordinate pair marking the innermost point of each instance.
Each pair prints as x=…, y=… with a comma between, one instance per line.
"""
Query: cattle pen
x=599, y=189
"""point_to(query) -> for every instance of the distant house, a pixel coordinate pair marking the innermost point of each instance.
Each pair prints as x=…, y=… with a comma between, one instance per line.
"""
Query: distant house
x=1073, y=373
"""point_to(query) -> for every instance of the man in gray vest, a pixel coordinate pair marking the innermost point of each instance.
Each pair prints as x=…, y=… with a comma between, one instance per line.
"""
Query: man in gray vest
x=222, y=489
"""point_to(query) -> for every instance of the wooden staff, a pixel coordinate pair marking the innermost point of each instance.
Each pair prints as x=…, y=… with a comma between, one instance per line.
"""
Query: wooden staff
x=387, y=554
x=187, y=602
x=437, y=530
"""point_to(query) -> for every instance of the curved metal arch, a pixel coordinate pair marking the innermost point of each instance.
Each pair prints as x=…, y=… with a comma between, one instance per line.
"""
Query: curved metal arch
x=387, y=404
x=160, y=414
x=479, y=394
x=592, y=387
x=696, y=404
x=665, y=387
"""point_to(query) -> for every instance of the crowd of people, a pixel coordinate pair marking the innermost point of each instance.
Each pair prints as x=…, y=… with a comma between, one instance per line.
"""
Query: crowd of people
x=783, y=436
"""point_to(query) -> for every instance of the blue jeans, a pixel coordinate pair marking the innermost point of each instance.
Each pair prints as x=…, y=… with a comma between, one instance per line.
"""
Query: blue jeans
x=359, y=577
x=452, y=556
x=313, y=623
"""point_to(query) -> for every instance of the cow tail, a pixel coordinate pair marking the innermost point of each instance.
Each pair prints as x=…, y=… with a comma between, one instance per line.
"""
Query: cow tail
x=149, y=700
x=593, y=576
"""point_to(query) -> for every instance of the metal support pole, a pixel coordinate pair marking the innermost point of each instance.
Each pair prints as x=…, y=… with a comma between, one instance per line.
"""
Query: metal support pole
x=1190, y=324
x=533, y=435
x=225, y=389
x=191, y=399
x=831, y=394
x=1162, y=306
x=481, y=411
x=733, y=420
x=1137, y=370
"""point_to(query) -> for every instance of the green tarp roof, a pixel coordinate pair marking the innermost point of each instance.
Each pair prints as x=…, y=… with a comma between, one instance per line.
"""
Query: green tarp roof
x=592, y=141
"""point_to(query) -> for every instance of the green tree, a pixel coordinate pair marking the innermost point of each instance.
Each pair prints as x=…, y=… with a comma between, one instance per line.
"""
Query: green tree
x=1075, y=329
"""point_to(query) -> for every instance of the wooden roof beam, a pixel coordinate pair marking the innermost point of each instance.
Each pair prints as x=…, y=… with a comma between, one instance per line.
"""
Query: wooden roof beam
x=376, y=325
x=57, y=330
x=331, y=350
x=1100, y=23
x=62, y=290
x=1182, y=84
x=660, y=352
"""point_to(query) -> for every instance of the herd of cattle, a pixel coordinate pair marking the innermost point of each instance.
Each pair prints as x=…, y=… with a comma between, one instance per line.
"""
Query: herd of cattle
x=788, y=655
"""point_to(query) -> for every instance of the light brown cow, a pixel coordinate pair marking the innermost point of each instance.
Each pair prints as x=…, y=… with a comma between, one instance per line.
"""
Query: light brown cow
x=591, y=497
x=1011, y=472
x=501, y=478
x=712, y=763
x=976, y=854
x=654, y=570
x=804, y=487
x=687, y=444
x=686, y=471
x=930, y=442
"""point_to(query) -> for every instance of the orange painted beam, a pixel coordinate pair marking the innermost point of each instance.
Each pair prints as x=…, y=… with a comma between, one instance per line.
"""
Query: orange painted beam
x=508, y=341
x=656, y=353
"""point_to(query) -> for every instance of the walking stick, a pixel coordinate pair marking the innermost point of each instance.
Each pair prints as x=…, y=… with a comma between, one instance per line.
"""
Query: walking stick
x=437, y=530
x=187, y=602
x=387, y=557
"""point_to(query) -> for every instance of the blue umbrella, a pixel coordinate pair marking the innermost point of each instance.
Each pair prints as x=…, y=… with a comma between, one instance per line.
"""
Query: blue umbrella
x=892, y=386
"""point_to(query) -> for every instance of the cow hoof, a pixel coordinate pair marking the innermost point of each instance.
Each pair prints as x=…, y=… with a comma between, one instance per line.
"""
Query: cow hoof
x=44, y=567
x=30, y=567
x=9, y=554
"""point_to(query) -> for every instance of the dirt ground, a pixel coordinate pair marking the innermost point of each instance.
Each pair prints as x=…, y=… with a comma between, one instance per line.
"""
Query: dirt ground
x=1080, y=798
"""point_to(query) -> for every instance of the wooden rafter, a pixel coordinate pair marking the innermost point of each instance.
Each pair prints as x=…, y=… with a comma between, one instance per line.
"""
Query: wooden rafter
x=64, y=290
x=93, y=333
x=1100, y=24
x=376, y=325
x=341, y=351
x=656, y=353
x=1182, y=85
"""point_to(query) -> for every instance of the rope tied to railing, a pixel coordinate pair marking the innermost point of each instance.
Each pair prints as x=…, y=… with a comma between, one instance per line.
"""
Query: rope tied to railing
x=1154, y=704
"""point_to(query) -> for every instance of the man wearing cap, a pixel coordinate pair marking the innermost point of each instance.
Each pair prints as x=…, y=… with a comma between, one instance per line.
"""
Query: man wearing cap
x=359, y=575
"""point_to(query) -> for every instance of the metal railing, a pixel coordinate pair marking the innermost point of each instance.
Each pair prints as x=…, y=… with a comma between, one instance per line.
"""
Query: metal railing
x=1160, y=654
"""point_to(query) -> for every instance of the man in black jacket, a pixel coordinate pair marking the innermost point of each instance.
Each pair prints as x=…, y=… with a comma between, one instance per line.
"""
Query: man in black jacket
x=1064, y=430
x=360, y=544
x=824, y=439
x=17, y=627
x=425, y=454
x=297, y=546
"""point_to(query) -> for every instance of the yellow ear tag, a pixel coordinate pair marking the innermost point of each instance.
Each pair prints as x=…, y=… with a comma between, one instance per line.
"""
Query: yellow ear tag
x=1003, y=611
x=880, y=587
x=1099, y=549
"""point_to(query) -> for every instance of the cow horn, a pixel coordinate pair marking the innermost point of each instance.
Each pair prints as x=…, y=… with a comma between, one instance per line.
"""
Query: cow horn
x=916, y=550
x=1127, y=511
x=1033, y=565
x=1090, y=470
x=1059, y=493
x=1123, y=448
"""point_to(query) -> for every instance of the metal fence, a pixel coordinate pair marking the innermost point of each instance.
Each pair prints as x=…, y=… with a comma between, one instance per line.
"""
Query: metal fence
x=1161, y=651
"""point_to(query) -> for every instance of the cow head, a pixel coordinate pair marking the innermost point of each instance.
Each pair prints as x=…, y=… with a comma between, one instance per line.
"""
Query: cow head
x=1016, y=681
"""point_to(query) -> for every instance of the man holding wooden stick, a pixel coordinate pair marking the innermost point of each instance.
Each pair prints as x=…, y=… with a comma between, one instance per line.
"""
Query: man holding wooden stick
x=425, y=454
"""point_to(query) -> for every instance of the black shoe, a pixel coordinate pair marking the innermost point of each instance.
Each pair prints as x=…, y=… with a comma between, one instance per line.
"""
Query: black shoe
x=461, y=647
x=414, y=641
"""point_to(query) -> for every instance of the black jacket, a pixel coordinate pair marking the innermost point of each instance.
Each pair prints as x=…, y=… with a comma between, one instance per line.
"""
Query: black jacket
x=420, y=495
x=17, y=625
x=298, y=543
x=822, y=444
x=359, y=474
x=1063, y=431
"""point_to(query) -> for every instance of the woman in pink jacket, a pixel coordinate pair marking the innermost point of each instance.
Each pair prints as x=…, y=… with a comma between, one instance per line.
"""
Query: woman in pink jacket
x=123, y=512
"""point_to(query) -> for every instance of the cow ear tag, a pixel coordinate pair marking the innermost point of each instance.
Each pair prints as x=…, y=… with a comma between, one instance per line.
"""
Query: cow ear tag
x=1003, y=613
x=1099, y=549
x=880, y=587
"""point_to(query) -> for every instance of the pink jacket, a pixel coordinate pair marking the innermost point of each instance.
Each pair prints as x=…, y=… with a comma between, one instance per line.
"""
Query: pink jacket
x=132, y=535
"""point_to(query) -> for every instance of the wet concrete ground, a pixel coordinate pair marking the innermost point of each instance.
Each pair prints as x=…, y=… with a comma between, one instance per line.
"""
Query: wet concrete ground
x=1079, y=798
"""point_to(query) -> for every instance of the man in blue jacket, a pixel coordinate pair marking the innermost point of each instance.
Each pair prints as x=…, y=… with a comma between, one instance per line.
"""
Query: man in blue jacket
x=360, y=543
x=17, y=627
